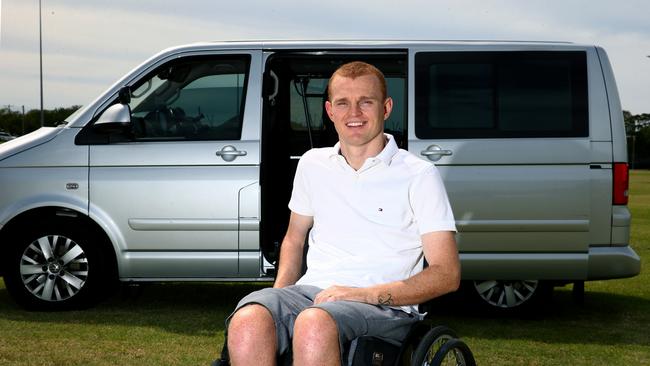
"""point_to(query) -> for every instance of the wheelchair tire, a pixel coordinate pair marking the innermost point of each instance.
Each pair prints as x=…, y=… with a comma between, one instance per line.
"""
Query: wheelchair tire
x=454, y=352
x=430, y=344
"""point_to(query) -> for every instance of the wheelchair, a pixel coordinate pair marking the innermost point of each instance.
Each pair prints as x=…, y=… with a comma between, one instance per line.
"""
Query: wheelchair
x=425, y=345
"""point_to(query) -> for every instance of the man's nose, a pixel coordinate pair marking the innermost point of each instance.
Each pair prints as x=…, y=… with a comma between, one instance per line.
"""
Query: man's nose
x=355, y=110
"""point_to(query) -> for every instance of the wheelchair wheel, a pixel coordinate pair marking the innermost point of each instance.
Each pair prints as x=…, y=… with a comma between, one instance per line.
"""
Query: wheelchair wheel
x=430, y=344
x=455, y=352
x=413, y=338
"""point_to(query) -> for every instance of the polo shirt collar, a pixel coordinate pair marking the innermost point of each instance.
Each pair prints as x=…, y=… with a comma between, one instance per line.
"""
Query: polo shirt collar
x=385, y=156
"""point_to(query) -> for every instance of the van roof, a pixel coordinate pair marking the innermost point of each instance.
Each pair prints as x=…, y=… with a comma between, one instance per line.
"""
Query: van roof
x=371, y=44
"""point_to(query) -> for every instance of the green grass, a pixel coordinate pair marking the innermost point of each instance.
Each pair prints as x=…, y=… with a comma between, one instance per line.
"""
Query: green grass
x=182, y=324
x=165, y=324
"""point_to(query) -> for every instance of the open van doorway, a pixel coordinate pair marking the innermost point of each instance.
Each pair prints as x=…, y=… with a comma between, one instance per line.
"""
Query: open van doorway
x=294, y=121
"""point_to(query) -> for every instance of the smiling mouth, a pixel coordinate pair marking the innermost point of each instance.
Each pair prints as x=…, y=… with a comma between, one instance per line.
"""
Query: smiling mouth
x=355, y=124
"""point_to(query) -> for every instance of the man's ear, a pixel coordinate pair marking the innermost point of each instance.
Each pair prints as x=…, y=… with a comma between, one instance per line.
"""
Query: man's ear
x=328, y=108
x=388, y=107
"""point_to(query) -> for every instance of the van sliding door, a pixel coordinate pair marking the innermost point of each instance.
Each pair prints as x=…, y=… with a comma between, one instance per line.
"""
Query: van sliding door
x=508, y=130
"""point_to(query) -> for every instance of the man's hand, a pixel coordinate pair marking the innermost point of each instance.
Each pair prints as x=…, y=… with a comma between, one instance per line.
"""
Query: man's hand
x=338, y=293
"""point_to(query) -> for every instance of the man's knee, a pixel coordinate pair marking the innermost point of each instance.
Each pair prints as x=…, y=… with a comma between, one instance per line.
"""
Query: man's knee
x=248, y=323
x=315, y=317
x=251, y=336
x=315, y=326
x=315, y=338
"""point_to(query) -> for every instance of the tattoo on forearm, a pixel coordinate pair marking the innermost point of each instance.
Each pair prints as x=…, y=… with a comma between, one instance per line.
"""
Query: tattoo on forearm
x=385, y=299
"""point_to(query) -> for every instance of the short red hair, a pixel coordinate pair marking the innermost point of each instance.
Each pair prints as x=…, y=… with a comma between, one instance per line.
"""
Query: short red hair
x=355, y=69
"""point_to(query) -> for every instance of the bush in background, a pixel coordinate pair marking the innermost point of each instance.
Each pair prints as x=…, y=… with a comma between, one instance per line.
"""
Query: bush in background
x=17, y=124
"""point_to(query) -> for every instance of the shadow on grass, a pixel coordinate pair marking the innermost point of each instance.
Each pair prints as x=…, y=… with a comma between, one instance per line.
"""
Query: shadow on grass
x=603, y=318
x=187, y=308
x=201, y=308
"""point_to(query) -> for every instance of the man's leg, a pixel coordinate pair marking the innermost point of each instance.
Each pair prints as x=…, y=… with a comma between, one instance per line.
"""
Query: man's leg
x=262, y=325
x=322, y=331
x=252, y=337
x=315, y=339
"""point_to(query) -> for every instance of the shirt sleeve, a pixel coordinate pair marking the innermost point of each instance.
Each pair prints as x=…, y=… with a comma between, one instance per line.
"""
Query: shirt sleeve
x=300, y=201
x=430, y=203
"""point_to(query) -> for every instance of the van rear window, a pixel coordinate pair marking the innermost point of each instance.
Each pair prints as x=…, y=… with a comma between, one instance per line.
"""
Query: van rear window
x=500, y=94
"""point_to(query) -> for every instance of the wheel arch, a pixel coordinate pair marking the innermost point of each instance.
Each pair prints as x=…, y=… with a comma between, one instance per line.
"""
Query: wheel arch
x=28, y=217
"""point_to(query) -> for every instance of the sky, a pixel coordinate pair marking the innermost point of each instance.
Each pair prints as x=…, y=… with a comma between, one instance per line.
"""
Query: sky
x=89, y=44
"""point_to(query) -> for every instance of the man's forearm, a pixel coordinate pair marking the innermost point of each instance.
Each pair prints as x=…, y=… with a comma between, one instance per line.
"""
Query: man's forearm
x=426, y=285
x=290, y=264
x=440, y=277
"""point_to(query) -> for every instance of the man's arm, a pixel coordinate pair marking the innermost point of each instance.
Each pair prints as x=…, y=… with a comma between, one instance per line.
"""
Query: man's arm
x=440, y=277
x=291, y=251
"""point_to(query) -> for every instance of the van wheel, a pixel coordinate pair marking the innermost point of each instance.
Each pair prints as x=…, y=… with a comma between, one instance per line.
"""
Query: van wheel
x=509, y=295
x=56, y=267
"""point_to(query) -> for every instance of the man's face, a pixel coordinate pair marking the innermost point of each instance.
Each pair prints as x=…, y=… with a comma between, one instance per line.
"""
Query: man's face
x=357, y=108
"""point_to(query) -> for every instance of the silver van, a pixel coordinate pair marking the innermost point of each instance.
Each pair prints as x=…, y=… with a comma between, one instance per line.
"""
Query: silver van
x=182, y=170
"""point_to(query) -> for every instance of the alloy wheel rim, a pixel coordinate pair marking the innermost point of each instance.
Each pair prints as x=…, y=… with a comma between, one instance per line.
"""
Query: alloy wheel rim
x=54, y=268
x=506, y=294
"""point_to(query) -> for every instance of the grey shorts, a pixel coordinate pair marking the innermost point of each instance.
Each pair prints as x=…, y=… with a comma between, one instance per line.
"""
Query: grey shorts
x=353, y=319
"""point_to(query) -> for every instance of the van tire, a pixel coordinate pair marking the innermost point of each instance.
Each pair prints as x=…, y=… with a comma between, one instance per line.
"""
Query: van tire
x=509, y=296
x=58, y=265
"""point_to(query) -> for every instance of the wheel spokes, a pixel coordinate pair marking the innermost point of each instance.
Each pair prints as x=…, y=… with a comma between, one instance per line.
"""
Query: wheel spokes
x=30, y=269
x=45, y=246
x=54, y=268
x=510, y=295
x=48, y=289
x=72, y=280
x=506, y=294
x=486, y=286
x=71, y=254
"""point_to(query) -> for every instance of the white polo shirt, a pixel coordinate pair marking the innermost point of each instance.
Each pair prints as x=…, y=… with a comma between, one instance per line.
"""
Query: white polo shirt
x=368, y=223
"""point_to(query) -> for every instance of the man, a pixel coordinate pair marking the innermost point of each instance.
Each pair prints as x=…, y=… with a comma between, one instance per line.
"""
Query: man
x=373, y=211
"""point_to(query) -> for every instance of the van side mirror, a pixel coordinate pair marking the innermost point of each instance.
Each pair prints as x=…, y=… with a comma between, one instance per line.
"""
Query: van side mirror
x=115, y=119
x=124, y=95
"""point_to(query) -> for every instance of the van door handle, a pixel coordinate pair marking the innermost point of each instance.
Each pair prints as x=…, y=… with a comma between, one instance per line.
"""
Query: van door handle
x=230, y=153
x=435, y=152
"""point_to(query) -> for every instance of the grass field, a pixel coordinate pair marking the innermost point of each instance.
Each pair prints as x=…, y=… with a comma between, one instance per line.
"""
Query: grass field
x=182, y=324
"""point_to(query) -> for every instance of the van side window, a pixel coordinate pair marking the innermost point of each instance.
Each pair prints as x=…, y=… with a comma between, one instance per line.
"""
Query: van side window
x=500, y=94
x=199, y=98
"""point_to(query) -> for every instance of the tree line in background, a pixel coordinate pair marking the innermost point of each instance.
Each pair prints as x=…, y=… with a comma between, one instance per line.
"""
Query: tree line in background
x=637, y=129
x=14, y=122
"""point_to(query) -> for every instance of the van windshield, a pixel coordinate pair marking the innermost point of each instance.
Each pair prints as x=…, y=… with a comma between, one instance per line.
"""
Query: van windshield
x=73, y=116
